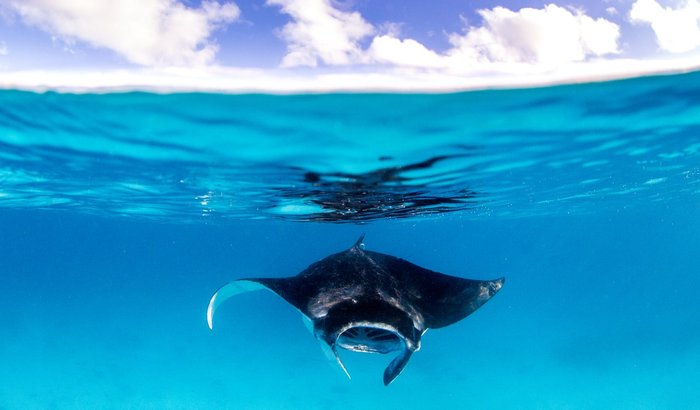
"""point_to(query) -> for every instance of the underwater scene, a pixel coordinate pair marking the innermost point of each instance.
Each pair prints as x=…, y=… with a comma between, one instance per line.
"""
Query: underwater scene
x=122, y=213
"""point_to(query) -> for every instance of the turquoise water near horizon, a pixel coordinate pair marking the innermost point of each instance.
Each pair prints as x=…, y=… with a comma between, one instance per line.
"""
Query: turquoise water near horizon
x=121, y=214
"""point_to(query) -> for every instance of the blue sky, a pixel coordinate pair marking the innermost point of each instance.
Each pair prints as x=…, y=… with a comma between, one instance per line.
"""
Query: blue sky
x=448, y=43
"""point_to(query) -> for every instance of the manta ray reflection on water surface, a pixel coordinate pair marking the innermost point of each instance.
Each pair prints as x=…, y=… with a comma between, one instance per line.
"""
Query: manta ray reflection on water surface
x=370, y=302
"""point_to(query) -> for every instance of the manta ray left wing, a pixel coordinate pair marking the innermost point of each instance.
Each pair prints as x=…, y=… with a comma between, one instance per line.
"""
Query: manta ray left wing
x=441, y=299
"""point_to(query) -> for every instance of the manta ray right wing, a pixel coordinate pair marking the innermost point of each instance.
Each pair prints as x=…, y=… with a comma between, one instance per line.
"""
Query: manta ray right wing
x=283, y=287
x=228, y=291
x=279, y=286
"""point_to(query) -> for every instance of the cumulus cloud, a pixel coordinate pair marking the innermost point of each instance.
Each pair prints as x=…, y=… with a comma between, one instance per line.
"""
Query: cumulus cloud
x=388, y=49
x=320, y=31
x=549, y=35
x=146, y=32
x=677, y=29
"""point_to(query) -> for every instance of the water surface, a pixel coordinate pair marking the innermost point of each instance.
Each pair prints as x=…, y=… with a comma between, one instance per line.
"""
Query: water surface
x=121, y=213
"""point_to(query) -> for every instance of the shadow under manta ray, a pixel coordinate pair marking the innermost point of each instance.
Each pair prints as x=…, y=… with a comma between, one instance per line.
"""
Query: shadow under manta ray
x=370, y=302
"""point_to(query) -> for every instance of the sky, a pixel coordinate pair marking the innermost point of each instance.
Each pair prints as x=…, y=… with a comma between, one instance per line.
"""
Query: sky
x=289, y=45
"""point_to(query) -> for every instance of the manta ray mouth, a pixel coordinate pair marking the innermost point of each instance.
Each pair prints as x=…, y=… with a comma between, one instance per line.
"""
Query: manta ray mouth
x=370, y=338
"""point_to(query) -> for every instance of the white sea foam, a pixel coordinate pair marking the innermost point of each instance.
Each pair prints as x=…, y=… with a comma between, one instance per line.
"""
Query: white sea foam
x=360, y=79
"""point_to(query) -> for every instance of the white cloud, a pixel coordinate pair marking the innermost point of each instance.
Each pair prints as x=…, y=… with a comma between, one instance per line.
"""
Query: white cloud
x=3, y=49
x=509, y=49
x=321, y=32
x=146, y=32
x=388, y=49
x=551, y=35
x=677, y=30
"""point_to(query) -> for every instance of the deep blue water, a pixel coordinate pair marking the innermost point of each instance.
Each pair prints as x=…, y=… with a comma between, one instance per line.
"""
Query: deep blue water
x=122, y=213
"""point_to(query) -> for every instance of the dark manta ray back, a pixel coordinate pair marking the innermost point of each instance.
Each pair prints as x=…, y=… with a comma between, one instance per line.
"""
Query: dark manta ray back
x=370, y=302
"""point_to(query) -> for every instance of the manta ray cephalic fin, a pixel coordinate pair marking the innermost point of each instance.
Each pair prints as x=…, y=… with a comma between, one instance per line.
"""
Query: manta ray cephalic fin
x=340, y=362
x=396, y=366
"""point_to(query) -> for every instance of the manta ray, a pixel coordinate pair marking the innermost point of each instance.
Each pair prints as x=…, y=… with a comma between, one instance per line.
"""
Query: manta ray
x=370, y=302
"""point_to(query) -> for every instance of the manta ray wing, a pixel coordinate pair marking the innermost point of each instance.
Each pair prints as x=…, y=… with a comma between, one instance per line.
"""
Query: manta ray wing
x=279, y=286
x=441, y=299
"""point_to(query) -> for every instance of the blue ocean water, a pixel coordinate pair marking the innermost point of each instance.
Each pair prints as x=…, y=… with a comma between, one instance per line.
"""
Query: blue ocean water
x=121, y=214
